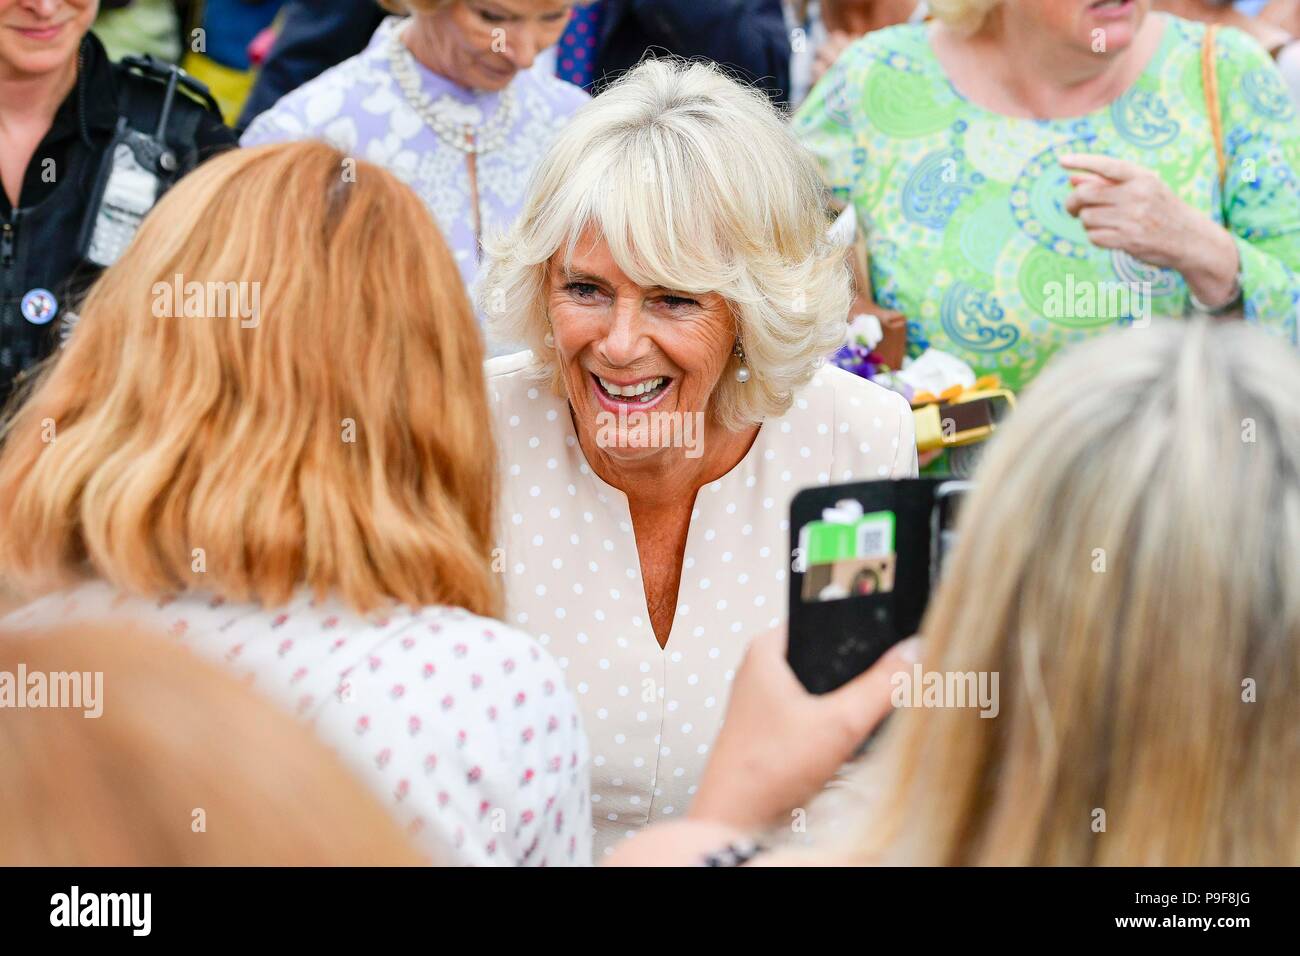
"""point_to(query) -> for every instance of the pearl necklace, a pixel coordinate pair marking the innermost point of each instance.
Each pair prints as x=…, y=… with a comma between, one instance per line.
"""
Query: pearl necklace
x=441, y=115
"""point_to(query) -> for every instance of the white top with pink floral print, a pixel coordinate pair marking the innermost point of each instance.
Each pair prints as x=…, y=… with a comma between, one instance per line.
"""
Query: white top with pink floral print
x=461, y=725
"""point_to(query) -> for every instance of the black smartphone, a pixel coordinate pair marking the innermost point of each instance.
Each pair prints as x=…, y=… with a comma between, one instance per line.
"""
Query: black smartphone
x=865, y=557
x=948, y=498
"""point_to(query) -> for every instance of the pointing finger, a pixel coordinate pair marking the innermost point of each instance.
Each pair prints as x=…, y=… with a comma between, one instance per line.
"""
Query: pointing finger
x=1114, y=169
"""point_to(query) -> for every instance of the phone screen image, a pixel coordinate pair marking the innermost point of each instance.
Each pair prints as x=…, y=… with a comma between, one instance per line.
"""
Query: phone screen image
x=864, y=558
x=847, y=553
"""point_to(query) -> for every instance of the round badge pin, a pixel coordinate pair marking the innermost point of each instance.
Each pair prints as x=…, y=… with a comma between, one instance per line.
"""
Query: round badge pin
x=40, y=307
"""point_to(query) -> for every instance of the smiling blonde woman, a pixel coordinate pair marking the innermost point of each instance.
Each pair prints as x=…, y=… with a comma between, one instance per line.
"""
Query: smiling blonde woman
x=672, y=273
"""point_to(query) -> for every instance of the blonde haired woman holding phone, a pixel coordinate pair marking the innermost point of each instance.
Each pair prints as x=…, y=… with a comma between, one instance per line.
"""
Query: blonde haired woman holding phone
x=1129, y=566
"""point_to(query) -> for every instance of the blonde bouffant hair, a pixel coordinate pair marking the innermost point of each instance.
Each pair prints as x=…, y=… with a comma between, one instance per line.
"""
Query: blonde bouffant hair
x=697, y=185
x=341, y=441
x=1129, y=564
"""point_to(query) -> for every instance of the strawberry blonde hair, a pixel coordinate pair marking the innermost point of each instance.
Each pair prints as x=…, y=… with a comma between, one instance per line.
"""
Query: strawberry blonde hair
x=341, y=442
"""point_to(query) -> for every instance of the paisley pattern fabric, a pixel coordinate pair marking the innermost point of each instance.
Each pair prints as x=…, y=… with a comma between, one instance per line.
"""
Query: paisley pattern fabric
x=964, y=209
x=358, y=108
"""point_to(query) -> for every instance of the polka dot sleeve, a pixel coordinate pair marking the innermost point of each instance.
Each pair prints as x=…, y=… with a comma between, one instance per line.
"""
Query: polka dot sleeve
x=487, y=759
x=462, y=727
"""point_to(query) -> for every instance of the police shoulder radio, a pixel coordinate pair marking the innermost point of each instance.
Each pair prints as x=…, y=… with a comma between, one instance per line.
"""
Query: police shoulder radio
x=154, y=146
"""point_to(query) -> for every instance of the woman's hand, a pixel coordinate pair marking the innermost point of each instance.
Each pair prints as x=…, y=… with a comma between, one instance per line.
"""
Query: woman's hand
x=779, y=744
x=1125, y=206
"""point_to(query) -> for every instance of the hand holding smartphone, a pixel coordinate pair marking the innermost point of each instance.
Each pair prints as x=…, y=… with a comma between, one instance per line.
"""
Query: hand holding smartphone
x=866, y=557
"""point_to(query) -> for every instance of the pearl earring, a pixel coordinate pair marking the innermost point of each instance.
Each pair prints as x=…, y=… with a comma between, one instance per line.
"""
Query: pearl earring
x=742, y=373
x=549, y=340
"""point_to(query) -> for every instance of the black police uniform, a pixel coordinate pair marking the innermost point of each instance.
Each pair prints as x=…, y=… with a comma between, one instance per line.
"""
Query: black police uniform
x=43, y=272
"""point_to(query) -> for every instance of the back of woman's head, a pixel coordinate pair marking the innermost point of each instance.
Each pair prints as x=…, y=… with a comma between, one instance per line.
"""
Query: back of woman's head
x=279, y=383
x=177, y=764
x=1130, y=568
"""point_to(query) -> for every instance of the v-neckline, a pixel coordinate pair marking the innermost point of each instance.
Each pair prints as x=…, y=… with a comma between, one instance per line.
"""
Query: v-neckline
x=603, y=488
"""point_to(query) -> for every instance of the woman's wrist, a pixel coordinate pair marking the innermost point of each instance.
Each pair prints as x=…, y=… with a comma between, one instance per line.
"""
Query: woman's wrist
x=1212, y=266
x=682, y=843
x=729, y=810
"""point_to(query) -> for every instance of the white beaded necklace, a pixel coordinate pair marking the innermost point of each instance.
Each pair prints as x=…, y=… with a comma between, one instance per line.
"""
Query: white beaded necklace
x=445, y=116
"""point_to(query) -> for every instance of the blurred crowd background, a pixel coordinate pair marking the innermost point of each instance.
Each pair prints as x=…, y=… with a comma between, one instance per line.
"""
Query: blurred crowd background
x=241, y=35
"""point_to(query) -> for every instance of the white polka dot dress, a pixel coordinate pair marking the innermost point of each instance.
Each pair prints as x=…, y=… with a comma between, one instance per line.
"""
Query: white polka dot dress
x=462, y=727
x=573, y=577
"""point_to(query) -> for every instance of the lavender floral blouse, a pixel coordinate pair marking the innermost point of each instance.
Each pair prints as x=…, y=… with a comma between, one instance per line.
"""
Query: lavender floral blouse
x=358, y=108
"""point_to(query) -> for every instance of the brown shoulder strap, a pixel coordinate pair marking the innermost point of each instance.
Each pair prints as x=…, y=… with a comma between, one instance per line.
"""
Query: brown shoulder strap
x=1210, y=81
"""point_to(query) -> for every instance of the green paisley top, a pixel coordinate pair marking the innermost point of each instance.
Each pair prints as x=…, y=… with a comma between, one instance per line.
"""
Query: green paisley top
x=964, y=209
